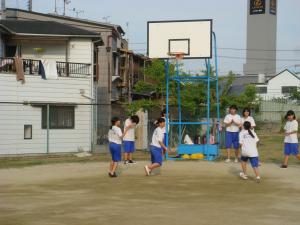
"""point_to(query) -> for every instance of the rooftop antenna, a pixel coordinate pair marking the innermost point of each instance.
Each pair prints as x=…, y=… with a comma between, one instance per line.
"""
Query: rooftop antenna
x=29, y=5
x=55, y=6
x=105, y=18
x=77, y=12
x=2, y=14
x=66, y=2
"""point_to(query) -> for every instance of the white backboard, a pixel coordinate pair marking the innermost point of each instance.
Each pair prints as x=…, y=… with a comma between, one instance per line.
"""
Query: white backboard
x=192, y=37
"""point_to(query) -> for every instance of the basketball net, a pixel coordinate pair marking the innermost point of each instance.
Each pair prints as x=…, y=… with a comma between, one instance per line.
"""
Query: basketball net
x=176, y=57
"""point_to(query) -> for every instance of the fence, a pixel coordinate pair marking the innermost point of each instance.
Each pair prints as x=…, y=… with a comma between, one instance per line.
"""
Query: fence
x=274, y=110
x=31, y=67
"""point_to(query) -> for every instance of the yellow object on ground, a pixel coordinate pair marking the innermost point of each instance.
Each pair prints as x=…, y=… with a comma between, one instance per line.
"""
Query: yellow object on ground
x=186, y=156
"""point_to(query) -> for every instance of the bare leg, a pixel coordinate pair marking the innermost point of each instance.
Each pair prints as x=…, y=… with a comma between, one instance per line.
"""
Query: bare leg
x=125, y=156
x=298, y=156
x=114, y=167
x=236, y=152
x=111, y=166
x=228, y=153
x=286, y=160
x=129, y=156
x=256, y=171
x=153, y=166
x=244, y=167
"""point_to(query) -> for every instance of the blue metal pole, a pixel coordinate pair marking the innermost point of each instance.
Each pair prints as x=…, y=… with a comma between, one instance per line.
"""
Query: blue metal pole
x=217, y=91
x=208, y=109
x=167, y=70
x=179, y=105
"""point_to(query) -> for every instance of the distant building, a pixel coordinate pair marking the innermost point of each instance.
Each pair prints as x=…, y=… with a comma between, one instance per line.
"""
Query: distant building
x=268, y=87
x=261, y=37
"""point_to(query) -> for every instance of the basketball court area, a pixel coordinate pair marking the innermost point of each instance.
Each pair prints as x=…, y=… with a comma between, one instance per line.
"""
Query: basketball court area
x=208, y=193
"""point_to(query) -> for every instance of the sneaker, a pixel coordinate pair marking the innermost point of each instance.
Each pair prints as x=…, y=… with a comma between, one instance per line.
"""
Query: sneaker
x=236, y=160
x=227, y=160
x=243, y=176
x=147, y=170
x=113, y=175
x=131, y=162
x=258, y=179
x=284, y=167
x=126, y=162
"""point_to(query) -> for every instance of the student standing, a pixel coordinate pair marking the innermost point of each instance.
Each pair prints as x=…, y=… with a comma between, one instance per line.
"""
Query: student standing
x=291, y=138
x=247, y=117
x=115, y=144
x=248, y=141
x=157, y=147
x=232, y=122
x=129, y=138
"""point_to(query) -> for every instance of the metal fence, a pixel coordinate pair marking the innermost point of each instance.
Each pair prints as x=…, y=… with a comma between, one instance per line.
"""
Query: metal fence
x=274, y=110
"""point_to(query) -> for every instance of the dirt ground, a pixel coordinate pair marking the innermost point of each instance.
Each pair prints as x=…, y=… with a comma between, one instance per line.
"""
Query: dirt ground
x=185, y=193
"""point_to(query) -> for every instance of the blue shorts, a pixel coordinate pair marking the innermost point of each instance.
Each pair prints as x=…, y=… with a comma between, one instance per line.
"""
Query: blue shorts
x=253, y=160
x=291, y=149
x=156, y=155
x=165, y=139
x=115, y=151
x=232, y=138
x=129, y=146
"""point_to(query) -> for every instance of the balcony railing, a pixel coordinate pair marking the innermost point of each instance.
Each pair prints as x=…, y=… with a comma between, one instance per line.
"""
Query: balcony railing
x=31, y=67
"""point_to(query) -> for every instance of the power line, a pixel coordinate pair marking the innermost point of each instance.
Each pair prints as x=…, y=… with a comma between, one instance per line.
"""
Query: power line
x=239, y=49
x=258, y=59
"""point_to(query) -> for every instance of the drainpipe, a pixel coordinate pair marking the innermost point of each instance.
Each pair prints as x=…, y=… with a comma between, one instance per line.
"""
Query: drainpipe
x=48, y=126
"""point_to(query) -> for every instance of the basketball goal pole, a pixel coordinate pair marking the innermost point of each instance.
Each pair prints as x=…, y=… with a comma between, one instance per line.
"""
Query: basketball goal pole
x=207, y=148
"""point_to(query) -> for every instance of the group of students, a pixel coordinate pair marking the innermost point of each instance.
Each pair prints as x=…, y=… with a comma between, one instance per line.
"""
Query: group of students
x=240, y=132
x=117, y=138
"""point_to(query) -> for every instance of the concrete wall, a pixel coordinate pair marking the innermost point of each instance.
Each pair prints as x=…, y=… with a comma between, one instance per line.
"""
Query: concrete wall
x=14, y=117
x=261, y=34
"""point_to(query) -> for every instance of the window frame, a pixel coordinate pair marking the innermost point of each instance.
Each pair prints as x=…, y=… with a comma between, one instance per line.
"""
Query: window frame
x=259, y=88
x=290, y=89
x=55, y=113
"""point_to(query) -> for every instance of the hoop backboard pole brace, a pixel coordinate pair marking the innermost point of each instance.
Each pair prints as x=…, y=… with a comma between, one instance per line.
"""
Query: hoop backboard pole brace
x=167, y=71
x=217, y=91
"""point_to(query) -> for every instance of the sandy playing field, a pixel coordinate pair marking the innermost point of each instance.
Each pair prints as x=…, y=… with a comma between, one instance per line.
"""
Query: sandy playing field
x=186, y=193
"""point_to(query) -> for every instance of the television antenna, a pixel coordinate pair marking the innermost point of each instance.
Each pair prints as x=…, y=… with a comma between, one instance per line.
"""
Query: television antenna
x=105, y=18
x=77, y=12
x=66, y=2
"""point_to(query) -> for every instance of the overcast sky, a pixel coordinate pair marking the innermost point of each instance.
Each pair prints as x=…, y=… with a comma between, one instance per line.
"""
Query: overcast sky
x=229, y=22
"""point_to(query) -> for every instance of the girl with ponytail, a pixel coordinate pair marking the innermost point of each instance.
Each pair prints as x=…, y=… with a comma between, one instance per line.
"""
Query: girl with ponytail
x=248, y=141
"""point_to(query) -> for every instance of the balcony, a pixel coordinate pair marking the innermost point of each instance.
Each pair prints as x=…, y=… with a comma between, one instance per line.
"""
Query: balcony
x=31, y=67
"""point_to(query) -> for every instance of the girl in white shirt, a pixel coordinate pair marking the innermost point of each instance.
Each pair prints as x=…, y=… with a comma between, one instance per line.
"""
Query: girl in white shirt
x=157, y=147
x=115, y=137
x=247, y=117
x=291, y=145
x=248, y=141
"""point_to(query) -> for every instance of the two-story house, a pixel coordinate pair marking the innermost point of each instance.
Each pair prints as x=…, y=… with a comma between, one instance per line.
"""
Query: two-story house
x=51, y=108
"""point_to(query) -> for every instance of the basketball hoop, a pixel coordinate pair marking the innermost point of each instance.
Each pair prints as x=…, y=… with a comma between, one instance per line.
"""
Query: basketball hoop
x=176, y=56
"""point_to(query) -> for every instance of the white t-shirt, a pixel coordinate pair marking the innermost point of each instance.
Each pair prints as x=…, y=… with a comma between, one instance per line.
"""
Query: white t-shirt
x=249, y=119
x=115, y=135
x=158, y=136
x=249, y=144
x=291, y=126
x=130, y=135
x=233, y=127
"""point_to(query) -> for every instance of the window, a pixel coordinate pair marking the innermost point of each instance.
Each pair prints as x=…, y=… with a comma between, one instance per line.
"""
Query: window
x=261, y=90
x=288, y=89
x=27, y=132
x=61, y=117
